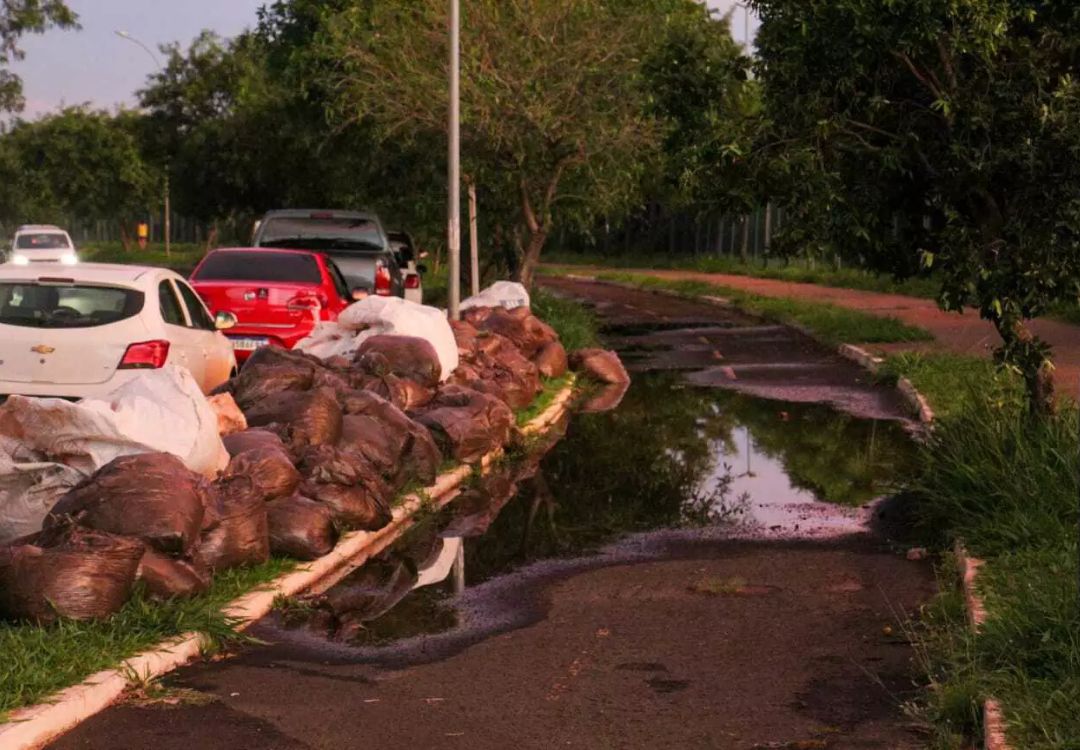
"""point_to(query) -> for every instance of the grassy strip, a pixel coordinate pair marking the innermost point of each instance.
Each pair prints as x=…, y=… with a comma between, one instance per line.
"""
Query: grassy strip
x=832, y=324
x=183, y=258
x=795, y=270
x=1007, y=485
x=38, y=661
x=552, y=388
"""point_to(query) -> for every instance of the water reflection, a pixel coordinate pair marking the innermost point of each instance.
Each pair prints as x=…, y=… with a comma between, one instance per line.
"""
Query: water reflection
x=670, y=456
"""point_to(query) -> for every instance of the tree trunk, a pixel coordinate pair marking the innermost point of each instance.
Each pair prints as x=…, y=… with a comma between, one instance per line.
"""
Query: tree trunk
x=125, y=237
x=744, y=251
x=1027, y=353
x=532, y=257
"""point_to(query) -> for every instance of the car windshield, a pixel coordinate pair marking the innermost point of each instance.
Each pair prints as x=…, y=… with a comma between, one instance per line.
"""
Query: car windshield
x=256, y=265
x=35, y=305
x=321, y=233
x=42, y=241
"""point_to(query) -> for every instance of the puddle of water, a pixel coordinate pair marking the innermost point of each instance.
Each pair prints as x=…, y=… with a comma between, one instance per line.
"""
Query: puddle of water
x=672, y=455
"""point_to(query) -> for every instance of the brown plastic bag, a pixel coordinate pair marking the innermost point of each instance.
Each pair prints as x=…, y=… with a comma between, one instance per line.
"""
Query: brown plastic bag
x=526, y=331
x=253, y=439
x=408, y=357
x=235, y=532
x=468, y=424
x=374, y=440
x=551, y=361
x=420, y=457
x=152, y=496
x=311, y=418
x=256, y=383
x=170, y=578
x=67, y=572
x=300, y=528
x=270, y=469
x=600, y=365
x=349, y=485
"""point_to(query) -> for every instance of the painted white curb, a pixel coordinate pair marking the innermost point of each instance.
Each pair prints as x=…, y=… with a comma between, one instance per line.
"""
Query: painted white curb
x=32, y=727
x=993, y=715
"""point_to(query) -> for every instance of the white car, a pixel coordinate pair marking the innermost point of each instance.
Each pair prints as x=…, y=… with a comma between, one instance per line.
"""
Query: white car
x=42, y=243
x=82, y=331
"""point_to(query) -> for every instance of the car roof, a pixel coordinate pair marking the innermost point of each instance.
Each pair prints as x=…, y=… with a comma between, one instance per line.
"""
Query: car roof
x=38, y=228
x=290, y=250
x=305, y=213
x=93, y=273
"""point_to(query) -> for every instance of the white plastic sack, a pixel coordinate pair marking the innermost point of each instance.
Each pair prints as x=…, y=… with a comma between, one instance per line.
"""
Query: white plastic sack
x=160, y=410
x=374, y=316
x=508, y=294
x=27, y=492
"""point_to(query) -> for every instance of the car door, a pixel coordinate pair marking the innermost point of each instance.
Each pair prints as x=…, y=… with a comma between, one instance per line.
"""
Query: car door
x=184, y=349
x=215, y=349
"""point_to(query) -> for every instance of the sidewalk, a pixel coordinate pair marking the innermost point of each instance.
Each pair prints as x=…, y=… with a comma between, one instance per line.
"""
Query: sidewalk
x=961, y=334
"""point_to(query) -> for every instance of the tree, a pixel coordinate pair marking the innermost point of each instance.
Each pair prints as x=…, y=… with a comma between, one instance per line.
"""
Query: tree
x=78, y=163
x=17, y=18
x=944, y=135
x=554, y=120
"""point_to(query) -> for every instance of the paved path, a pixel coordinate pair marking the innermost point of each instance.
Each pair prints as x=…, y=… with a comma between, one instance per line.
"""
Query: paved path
x=963, y=334
x=688, y=640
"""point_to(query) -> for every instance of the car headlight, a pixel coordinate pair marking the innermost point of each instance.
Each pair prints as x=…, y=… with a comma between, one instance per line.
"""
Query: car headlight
x=69, y=259
x=20, y=260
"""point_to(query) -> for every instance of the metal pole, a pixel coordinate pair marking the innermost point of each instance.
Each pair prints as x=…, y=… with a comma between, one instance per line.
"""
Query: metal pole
x=474, y=241
x=453, y=229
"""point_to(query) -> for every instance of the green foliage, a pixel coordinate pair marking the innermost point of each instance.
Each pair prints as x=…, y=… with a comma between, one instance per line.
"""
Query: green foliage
x=182, y=258
x=938, y=135
x=954, y=383
x=77, y=162
x=576, y=325
x=17, y=18
x=556, y=120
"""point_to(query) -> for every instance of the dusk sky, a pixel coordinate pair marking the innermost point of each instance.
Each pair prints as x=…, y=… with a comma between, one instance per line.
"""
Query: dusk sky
x=96, y=66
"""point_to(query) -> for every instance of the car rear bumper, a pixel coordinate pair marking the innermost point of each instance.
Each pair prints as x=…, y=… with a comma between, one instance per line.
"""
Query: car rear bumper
x=286, y=339
x=67, y=391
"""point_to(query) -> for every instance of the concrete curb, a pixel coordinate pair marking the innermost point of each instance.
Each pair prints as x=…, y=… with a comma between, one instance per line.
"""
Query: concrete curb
x=34, y=726
x=994, y=737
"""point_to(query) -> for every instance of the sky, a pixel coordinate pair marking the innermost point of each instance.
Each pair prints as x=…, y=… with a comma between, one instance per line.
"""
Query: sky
x=64, y=68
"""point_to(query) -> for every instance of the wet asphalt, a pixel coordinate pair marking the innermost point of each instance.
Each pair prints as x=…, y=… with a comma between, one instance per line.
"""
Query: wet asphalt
x=784, y=636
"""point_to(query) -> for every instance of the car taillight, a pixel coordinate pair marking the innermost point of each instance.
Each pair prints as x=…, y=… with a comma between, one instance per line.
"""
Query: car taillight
x=148, y=355
x=412, y=281
x=308, y=302
x=382, y=279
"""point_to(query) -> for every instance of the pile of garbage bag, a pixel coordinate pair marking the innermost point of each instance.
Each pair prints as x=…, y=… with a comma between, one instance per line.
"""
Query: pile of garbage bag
x=160, y=487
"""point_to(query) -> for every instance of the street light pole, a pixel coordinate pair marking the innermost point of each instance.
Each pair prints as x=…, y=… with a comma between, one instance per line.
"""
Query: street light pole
x=167, y=199
x=453, y=239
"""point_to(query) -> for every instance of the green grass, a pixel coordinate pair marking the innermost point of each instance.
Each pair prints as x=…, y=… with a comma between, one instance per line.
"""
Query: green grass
x=829, y=323
x=953, y=383
x=182, y=258
x=576, y=325
x=1007, y=485
x=38, y=661
x=795, y=270
x=552, y=388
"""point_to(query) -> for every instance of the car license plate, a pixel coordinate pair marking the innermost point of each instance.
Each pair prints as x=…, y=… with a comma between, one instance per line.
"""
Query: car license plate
x=248, y=344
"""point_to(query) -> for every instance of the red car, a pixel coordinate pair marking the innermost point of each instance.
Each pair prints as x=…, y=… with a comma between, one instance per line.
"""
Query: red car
x=263, y=297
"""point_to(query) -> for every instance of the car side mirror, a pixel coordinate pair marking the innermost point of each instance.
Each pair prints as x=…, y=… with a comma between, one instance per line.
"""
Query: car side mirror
x=359, y=293
x=421, y=268
x=225, y=320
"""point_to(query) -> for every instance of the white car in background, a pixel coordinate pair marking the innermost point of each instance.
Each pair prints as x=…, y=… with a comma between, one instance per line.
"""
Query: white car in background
x=42, y=243
x=82, y=331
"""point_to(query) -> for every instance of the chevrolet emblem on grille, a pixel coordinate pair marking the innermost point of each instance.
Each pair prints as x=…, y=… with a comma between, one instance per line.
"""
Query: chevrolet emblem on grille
x=43, y=349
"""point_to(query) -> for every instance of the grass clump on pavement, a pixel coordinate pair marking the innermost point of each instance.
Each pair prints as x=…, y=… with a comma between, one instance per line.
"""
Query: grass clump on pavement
x=829, y=323
x=38, y=661
x=953, y=383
